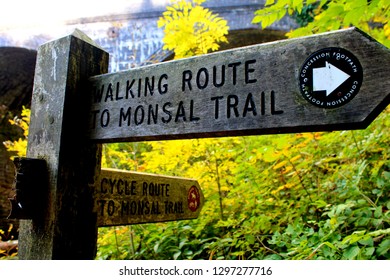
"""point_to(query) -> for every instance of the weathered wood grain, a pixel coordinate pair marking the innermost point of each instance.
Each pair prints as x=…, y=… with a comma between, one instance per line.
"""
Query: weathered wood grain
x=259, y=93
x=67, y=228
x=124, y=198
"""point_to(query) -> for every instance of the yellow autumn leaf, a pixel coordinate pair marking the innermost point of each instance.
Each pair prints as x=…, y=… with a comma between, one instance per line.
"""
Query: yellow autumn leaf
x=295, y=158
x=287, y=169
x=280, y=164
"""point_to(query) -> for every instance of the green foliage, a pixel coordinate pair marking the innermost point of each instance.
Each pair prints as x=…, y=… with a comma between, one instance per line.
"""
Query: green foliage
x=316, y=16
x=9, y=252
x=19, y=147
x=306, y=15
x=127, y=156
x=190, y=29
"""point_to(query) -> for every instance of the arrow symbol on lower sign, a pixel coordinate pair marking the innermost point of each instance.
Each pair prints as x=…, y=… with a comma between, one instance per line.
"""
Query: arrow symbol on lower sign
x=328, y=78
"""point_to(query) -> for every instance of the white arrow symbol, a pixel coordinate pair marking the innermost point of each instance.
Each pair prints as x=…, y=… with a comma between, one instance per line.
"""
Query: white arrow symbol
x=328, y=78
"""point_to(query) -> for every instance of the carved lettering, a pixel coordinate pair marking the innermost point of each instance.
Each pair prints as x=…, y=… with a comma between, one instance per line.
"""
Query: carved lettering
x=135, y=88
x=235, y=106
x=222, y=92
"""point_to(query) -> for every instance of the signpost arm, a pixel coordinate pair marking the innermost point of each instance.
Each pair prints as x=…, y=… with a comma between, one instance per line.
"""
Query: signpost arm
x=67, y=228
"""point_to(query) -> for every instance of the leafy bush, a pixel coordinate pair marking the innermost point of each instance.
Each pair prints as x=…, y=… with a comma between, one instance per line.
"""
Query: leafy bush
x=317, y=16
x=294, y=196
x=190, y=29
x=8, y=250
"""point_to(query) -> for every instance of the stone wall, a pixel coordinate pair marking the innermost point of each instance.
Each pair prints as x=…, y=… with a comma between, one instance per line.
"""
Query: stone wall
x=131, y=35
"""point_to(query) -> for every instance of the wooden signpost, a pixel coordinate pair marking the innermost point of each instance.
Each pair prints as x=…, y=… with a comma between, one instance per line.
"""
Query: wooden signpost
x=124, y=198
x=332, y=81
x=261, y=89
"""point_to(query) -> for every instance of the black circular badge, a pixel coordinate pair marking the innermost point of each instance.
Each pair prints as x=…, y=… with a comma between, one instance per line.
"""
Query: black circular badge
x=330, y=78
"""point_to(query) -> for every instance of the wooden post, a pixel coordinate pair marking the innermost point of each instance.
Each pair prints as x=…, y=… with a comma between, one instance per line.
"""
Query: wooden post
x=67, y=228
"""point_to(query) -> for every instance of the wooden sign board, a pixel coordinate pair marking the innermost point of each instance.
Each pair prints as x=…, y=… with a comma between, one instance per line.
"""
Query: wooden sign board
x=123, y=198
x=336, y=80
